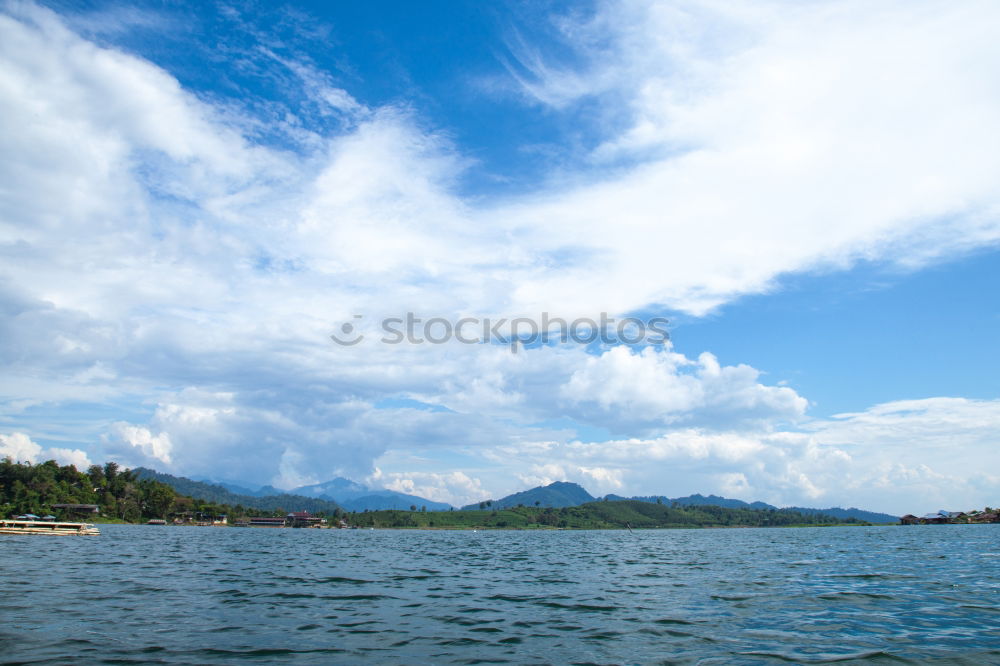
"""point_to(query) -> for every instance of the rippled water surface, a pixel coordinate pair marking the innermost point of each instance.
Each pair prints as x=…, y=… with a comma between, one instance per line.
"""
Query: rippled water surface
x=204, y=595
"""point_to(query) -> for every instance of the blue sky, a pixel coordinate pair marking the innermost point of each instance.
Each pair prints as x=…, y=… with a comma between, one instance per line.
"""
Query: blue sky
x=195, y=196
x=907, y=334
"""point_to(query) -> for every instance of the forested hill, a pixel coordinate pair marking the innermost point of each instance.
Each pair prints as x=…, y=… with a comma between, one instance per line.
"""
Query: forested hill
x=564, y=494
x=837, y=512
x=715, y=500
x=119, y=493
x=556, y=495
x=211, y=492
x=596, y=515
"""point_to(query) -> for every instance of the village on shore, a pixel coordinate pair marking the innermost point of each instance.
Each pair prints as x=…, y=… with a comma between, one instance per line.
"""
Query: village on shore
x=987, y=515
x=292, y=519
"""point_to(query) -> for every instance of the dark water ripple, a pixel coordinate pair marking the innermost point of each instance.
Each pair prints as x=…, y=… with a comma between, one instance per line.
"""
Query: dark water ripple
x=207, y=596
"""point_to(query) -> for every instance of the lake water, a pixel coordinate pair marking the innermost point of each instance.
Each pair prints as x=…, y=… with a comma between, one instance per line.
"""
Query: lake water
x=210, y=595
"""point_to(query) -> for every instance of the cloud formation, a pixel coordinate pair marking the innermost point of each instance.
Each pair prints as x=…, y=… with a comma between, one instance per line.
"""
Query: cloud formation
x=765, y=140
x=20, y=448
x=907, y=457
x=157, y=254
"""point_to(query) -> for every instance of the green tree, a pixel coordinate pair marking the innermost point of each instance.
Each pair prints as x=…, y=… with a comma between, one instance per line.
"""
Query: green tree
x=96, y=475
x=110, y=474
x=156, y=498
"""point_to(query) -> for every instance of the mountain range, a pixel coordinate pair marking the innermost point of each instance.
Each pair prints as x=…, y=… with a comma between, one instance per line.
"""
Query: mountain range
x=356, y=497
x=698, y=500
x=562, y=494
x=211, y=492
x=352, y=496
x=349, y=495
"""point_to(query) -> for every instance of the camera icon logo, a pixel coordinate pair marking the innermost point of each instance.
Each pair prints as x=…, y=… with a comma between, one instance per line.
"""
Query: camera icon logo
x=350, y=335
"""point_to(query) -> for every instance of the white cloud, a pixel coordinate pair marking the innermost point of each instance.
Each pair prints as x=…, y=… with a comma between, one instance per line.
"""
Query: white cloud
x=905, y=457
x=74, y=457
x=136, y=444
x=456, y=488
x=152, y=254
x=774, y=138
x=652, y=386
x=604, y=477
x=20, y=448
x=289, y=476
x=324, y=424
x=541, y=473
x=321, y=88
x=930, y=425
x=624, y=389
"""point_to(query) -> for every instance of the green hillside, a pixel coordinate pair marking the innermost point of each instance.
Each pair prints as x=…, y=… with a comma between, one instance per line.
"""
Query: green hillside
x=595, y=515
x=211, y=492
x=558, y=494
x=120, y=494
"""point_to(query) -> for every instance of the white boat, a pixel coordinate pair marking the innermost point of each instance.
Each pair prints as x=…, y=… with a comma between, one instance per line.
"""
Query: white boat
x=45, y=527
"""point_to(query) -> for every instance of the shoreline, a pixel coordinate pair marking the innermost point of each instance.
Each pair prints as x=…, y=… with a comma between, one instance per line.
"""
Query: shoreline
x=545, y=528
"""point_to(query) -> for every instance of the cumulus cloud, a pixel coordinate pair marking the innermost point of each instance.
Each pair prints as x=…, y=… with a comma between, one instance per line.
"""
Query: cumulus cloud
x=540, y=473
x=323, y=425
x=136, y=445
x=74, y=457
x=598, y=480
x=663, y=387
x=156, y=256
x=905, y=457
x=629, y=390
x=456, y=488
x=19, y=447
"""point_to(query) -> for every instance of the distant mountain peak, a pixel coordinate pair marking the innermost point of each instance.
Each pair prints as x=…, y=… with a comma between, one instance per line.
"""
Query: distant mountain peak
x=338, y=485
x=565, y=484
x=211, y=492
x=354, y=496
x=557, y=495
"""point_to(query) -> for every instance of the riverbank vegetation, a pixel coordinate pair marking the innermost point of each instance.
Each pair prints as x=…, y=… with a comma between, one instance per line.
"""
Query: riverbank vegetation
x=616, y=514
x=123, y=496
x=119, y=494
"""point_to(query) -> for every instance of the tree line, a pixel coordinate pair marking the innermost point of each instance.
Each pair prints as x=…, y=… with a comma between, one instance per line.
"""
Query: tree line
x=121, y=494
x=597, y=515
